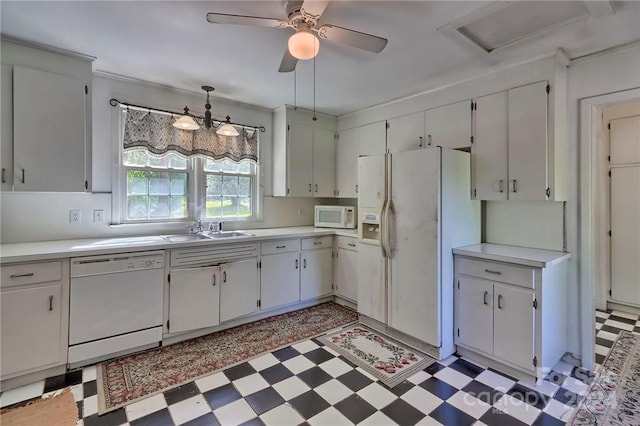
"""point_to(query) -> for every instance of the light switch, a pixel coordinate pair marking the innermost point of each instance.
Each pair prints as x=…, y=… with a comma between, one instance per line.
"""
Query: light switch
x=75, y=216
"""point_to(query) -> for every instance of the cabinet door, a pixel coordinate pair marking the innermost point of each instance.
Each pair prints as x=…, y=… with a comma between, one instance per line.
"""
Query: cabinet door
x=279, y=279
x=474, y=316
x=528, y=142
x=300, y=161
x=238, y=289
x=49, y=156
x=449, y=126
x=489, y=149
x=347, y=274
x=315, y=275
x=6, y=127
x=36, y=341
x=324, y=166
x=406, y=133
x=194, y=298
x=372, y=282
x=513, y=325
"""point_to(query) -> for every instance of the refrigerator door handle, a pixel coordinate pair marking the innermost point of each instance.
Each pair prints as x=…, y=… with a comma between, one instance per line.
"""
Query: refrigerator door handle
x=383, y=229
x=389, y=232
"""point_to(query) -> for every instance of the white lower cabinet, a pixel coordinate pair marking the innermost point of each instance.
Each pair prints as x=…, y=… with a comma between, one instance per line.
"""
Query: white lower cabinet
x=514, y=314
x=316, y=269
x=194, y=298
x=279, y=279
x=238, y=289
x=34, y=313
x=346, y=269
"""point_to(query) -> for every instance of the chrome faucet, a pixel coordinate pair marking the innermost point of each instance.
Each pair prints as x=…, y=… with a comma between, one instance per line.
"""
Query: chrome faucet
x=199, y=226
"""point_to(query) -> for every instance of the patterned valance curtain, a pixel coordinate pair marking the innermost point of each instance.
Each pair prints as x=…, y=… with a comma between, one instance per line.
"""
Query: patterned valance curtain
x=155, y=132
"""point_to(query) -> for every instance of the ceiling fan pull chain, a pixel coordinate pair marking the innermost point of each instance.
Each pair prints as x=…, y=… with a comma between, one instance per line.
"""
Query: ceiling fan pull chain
x=314, y=88
x=295, y=88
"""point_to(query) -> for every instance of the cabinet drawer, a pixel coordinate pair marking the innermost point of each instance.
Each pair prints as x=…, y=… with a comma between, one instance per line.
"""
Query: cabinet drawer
x=31, y=273
x=496, y=271
x=347, y=243
x=280, y=246
x=317, y=242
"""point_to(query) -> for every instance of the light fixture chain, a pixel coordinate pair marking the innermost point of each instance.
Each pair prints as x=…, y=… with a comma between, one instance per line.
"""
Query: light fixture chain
x=314, y=88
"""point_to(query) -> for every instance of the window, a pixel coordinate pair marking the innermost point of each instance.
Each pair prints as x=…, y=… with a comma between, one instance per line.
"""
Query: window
x=229, y=188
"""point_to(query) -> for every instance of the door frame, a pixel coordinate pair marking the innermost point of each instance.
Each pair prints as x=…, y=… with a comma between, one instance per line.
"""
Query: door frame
x=590, y=233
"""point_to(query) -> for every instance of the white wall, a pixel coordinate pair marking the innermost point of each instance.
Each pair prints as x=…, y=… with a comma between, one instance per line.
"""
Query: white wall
x=45, y=216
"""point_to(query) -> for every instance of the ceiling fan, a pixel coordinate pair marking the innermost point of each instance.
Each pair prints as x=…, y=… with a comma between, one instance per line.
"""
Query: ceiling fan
x=303, y=17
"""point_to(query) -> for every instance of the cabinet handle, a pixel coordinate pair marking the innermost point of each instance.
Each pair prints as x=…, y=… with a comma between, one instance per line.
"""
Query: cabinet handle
x=304, y=263
x=501, y=185
x=214, y=280
x=22, y=180
x=51, y=303
x=356, y=189
x=429, y=140
x=316, y=187
x=4, y=180
x=280, y=247
x=28, y=274
x=224, y=276
x=489, y=271
x=315, y=243
x=351, y=244
x=499, y=301
x=515, y=188
x=309, y=187
x=421, y=142
x=296, y=263
x=484, y=297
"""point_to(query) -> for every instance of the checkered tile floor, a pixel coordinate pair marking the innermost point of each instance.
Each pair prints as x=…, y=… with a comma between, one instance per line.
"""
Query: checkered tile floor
x=309, y=383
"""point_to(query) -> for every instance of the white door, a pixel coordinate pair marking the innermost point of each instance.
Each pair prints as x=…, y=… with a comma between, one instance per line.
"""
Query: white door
x=36, y=342
x=474, y=314
x=238, y=289
x=449, y=126
x=406, y=133
x=279, y=279
x=300, y=160
x=372, y=282
x=372, y=181
x=324, y=166
x=624, y=140
x=513, y=325
x=528, y=142
x=316, y=273
x=489, y=150
x=6, y=127
x=50, y=155
x=346, y=274
x=414, y=307
x=194, y=298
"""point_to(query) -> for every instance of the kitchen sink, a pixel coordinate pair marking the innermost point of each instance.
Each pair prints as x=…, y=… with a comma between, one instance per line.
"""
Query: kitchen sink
x=229, y=234
x=186, y=237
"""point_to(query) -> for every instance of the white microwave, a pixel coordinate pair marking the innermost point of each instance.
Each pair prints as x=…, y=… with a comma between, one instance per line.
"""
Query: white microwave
x=335, y=217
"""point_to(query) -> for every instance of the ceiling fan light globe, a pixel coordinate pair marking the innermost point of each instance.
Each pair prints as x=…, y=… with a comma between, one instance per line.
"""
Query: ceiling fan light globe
x=303, y=45
x=186, y=123
x=227, y=130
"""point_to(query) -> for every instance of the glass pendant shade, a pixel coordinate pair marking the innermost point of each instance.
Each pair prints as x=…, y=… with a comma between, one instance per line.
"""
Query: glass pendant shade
x=303, y=45
x=227, y=130
x=186, y=122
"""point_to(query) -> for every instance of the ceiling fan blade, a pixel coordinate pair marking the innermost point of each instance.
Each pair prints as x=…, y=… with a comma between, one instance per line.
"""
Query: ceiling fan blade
x=223, y=18
x=353, y=38
x=314, y=8
x=288, y=63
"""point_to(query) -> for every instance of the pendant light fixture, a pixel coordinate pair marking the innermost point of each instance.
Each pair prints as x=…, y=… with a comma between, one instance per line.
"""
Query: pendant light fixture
x=227, y=129
x=303, y=44
x=186, y=122
x=207, y=107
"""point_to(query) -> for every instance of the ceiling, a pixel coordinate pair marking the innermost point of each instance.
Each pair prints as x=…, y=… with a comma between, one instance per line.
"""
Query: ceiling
x=171, y=43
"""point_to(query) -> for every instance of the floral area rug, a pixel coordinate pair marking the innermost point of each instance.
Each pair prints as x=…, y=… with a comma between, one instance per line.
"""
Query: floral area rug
x=614, y=395
x=134, y=377
x=386, y=359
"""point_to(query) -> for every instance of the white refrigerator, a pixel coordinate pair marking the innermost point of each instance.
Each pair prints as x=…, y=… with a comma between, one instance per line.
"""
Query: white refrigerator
x=413, y=208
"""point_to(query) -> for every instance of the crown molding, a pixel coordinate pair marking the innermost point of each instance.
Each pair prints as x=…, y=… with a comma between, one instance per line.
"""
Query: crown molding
x=48, y=48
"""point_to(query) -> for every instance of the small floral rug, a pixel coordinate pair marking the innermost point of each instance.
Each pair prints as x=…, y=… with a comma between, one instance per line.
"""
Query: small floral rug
x=614, y=395
x=384, y=358
x=130, y=378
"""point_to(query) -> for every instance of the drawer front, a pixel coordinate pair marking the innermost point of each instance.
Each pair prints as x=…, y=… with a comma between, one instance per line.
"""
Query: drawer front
x=280, y=246
x=31, y=273
x=523, y=276
x=347, y=243
x=317, y=242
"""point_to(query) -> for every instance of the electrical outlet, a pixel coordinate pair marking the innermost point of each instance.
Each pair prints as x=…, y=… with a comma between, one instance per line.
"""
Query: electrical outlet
x=98, y=216
x=75, y=216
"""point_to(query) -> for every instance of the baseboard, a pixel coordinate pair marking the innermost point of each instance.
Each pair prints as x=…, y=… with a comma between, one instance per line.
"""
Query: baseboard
x=27, y=379
x=345, y=302
x=631, y=309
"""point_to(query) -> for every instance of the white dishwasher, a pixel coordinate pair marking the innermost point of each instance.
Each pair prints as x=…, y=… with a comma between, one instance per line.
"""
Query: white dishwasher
x=115, y=305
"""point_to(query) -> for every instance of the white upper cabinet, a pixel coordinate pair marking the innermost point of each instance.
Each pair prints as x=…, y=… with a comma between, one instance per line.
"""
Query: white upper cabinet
x=519, y=145
x=46, y=120
x=405, y=133
x=369, y=139
x=303, y=153
x=449, y=126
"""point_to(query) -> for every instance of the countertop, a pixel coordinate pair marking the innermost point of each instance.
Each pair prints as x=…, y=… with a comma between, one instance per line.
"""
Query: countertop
x=44, y=250
x=512, y=254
